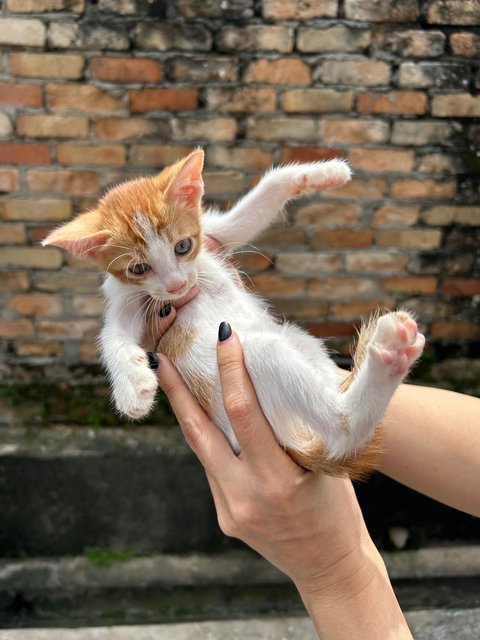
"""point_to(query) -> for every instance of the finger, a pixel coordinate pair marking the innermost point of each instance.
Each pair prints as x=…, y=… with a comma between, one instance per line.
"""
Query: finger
x=157, y=324
x=206, y=440
x=248, y=421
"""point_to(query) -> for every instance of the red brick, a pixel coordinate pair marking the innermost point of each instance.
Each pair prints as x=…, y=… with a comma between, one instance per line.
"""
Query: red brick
x=293, y=10
x=37, y=210
x=14, y=281
x=461, y=287
x=46, y=65
x=361, y=308
x=353, y=131
x=393, y=103
x=113, y=155
x=18, y=328
x=273, y=284
x=325, y=214
x=466, y=45
x=177, y=99
x=330, y=329
x=12, y=233
x=281, y=237
x=382, y=160
x=252, y=261
x=52, y=126
x=396, y=214
x=413, y=188
x=24, y=153
x=455, y=330
x=143, y=155
x=340, y=287
x=310, y=154
x=32, y=257
x=410, y=238
x=342, y=238
x=63, y=181
x=36, y=305
x=409, y=284
x=362, y=188
x=126, y=70
x=124, y=128
x=83, y=97
x=9, y=180
x=280, y=71
x=26, y=95
x=300, y=308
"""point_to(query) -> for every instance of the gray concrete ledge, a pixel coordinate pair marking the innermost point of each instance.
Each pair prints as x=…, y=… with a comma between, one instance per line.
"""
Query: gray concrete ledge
x=459, y=624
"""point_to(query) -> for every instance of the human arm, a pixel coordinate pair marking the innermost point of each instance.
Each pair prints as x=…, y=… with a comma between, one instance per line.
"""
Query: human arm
x=308, y=525
x=432, y=444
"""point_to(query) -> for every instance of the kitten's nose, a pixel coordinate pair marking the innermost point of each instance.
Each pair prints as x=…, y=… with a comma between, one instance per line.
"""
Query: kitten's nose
x=178, y=289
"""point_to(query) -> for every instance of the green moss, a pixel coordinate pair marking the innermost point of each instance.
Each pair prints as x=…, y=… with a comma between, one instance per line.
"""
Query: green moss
x=107, y=557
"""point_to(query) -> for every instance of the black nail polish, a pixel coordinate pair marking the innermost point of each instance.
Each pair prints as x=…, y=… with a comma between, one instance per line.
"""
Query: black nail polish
x=224, y=331
x=164, y=311
x=153, y=360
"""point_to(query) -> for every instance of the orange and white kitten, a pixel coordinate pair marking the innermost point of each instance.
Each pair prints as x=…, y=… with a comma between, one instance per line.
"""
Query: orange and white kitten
x=146, y=235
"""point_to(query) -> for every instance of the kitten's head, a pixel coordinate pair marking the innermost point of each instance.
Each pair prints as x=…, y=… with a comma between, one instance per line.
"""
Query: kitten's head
x=146, y=232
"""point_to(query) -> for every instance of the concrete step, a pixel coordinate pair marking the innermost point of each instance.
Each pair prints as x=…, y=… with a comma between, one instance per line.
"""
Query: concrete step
x=434, y=624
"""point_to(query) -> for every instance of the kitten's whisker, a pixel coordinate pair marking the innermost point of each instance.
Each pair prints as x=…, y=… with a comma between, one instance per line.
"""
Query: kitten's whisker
x=122, y=255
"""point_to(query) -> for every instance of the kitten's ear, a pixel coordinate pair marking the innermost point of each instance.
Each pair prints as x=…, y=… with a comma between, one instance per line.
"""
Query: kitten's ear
x=82, y=236
x=188, y=183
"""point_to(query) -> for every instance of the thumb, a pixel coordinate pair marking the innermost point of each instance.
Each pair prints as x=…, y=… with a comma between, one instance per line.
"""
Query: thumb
x=158, y=324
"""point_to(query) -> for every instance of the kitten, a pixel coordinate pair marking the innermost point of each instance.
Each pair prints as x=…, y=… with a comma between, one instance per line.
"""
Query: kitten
x=146, y=235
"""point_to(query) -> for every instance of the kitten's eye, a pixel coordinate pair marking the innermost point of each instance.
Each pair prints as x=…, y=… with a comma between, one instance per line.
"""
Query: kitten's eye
x=140, y=269
x=183, y=247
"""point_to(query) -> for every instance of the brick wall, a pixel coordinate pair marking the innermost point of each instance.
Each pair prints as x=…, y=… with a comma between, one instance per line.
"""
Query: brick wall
x=94, y=92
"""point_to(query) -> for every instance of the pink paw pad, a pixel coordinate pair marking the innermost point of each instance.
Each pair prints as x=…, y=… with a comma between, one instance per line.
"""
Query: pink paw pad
x=397, y=343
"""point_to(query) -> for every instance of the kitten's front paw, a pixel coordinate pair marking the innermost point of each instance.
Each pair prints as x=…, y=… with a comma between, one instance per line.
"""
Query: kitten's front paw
x=396, y=343
x=134, y=391
x=320, y=176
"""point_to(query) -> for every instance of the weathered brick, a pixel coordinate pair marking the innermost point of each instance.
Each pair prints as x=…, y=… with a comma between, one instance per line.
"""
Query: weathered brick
x=88, y=35
x=424, y=132
x=22, y=32
x=310, y=154
x=356, y=131
x=18, y=328
x=220, y=183
x=113, y=155
x=460, y=105
x=410, y=238
x=203, y=69
x=327, y=214
x=233, y=10
x=340, y=287
x=428, y=188
x=6, y=127
x=413, y=43
x=156, y=155
x=167, y=99
x=465, y=45
x=126, y=70
x=455, y=330
x=212, y=130
x=88, y=350
x=461, y=287
x=88, y=305
x=242, y=100
x=307, y=263
x=396, y=214
x=273, y=284
x=255, y=38
x=63, y=181
x=280, y=71
x=83, y=97
x=36, y=305
x=281, y=237
x=292, y=10
x=27, y=95
x=43, y=6
x=410, y=284
x=32, y=257
x=382, y=160
x=437, y=75
x=362, y=188
x=24, y=153
x=317, y=101
x=441, y=164
x=354, y=72
x=66, y=280
x=167, y=37
x=9, y=180
x=382, y=10
x=361, y=308
x=36, y=209
x=330, y=329
x=239, y=157
x=342, y=239
x=46, y=65
x=28, y=349
x=52, y=126
x=121, y=7
x=331, y=39
x=374, y=261
x=299, y=308
x=281, y=129
x=68, y=328
x=443, y=215
x=12, y=233
x=393, y=102
x=453, y=12
x=124, y=128
x=12, y=281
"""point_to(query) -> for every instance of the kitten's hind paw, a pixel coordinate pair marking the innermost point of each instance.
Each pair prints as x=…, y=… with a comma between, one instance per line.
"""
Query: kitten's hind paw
x=396, y=343
x=319, y=176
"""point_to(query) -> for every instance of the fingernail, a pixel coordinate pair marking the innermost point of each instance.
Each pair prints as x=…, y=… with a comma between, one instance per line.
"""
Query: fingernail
x=164, y=311
x=153, y=360
x=224, y=331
